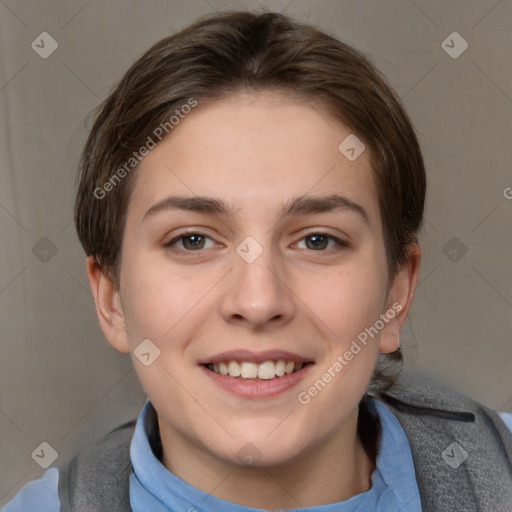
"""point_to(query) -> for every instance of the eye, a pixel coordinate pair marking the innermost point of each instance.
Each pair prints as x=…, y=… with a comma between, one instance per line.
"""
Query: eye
x=189, y=242
x=320, y=241
x=195, y=241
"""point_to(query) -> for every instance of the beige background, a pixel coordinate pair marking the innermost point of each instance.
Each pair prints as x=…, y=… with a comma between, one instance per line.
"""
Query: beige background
x=60, y=381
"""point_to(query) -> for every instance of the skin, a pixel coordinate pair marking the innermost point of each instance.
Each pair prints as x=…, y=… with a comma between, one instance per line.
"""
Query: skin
x=293, y=297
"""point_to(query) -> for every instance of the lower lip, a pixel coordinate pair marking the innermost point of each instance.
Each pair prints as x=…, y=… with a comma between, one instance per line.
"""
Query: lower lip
x=258, y=388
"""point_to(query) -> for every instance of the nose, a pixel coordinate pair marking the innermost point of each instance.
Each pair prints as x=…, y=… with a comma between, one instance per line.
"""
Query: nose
x=259, y=293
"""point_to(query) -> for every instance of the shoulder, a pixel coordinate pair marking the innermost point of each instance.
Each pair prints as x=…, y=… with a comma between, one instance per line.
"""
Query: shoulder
x=418, y=394
x=100, y=466
x=92, y=475
x=507, y=419
x=445, y=429
x=415, y=387
x=41, y=495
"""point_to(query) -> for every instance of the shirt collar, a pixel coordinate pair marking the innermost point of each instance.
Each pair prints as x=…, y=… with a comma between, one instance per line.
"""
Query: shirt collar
x=393, y=481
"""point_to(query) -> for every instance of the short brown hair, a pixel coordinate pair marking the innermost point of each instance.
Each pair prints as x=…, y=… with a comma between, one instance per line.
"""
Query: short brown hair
x=227, y=52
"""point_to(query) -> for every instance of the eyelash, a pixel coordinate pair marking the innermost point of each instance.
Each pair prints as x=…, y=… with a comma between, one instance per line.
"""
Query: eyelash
x=169, y=245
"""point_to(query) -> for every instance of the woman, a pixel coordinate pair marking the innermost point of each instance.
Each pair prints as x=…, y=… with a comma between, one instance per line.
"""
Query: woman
x=250, y=198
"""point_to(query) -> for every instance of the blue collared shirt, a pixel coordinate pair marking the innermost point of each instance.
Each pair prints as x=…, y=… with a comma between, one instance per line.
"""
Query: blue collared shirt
x=153, y=487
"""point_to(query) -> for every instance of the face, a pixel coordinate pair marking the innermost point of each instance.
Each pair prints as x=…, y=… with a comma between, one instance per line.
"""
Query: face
x=285, y=261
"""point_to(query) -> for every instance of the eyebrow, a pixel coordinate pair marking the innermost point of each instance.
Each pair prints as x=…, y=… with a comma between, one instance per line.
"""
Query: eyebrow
x=302, y=205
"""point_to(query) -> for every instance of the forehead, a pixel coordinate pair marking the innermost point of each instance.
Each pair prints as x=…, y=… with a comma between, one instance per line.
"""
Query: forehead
x=255, y=149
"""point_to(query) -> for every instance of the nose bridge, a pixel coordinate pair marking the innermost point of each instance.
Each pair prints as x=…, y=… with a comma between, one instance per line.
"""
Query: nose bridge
x=257, y=292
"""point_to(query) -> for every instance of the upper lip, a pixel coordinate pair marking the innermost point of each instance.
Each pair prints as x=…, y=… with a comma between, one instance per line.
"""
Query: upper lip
x=255, y=357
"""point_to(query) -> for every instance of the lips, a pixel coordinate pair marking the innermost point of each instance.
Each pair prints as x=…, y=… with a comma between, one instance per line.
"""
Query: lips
x=240, y=369
x=257, y=388
x=256, y=357
x=249, y=365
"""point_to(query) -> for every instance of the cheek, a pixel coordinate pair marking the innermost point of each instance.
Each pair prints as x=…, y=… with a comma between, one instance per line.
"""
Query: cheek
x=149, y=297
x=348, y=299
x=163, y=303
x=347, y=302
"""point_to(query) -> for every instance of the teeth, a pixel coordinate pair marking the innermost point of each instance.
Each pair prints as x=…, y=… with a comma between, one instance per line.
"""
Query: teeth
x=280, y=368
x=234, y=369
x=267, y=370
x=248, y=370
x=223, y=368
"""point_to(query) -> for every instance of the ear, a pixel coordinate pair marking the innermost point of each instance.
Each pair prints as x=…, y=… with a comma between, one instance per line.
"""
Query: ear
x=399, y=299
x=108, y=306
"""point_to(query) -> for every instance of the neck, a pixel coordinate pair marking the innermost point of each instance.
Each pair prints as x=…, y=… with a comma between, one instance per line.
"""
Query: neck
x=334, y=470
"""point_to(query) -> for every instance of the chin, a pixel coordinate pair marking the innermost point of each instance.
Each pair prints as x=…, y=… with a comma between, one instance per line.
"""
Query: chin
x=259, y=451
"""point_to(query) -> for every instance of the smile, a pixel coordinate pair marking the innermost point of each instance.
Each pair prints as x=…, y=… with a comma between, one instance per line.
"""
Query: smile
x=261, y=381
x=266, y=370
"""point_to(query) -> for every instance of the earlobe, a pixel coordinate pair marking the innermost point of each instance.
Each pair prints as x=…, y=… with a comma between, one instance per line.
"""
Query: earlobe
x=399, y=299
x=390, y=339
x=109, y=308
